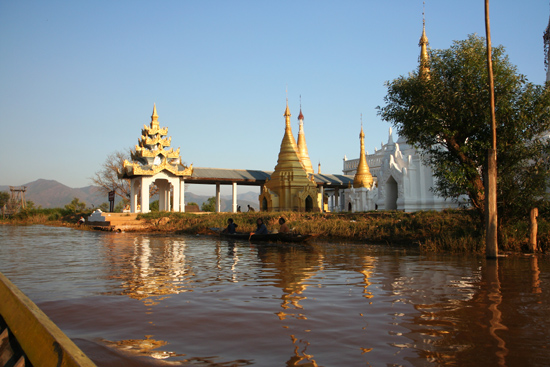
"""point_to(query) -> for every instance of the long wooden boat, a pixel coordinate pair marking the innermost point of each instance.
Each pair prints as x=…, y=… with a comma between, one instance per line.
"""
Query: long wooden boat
x=29, y=338
x=270, y=237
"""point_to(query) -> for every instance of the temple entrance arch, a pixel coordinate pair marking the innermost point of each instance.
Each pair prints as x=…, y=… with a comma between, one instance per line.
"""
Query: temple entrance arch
x=391, y=194
x=264, y=205
x=309, y=204
x=349, y=207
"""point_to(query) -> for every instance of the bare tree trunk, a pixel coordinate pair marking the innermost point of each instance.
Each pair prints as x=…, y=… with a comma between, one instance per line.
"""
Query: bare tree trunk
x=491, y=242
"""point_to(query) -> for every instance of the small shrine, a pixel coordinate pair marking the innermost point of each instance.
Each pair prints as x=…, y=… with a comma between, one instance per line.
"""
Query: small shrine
x=291, y=187
x=154, y=162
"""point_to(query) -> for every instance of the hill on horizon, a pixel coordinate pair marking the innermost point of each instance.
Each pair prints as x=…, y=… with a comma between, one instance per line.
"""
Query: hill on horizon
x=53, y=194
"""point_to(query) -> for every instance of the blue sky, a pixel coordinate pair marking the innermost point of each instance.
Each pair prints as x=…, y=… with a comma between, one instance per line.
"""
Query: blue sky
x=78, y=79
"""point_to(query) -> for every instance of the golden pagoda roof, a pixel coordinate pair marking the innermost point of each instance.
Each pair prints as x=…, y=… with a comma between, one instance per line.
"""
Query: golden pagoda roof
x=153, y=153
x=302, y=146
x=424, y=57
x=363, y=177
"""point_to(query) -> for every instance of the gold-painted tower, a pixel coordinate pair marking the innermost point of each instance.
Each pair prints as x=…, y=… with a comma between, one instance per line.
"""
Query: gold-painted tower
x=302, y=146
x=363, y=177
x=289, y=188
x=152, y=155
x=424, y=57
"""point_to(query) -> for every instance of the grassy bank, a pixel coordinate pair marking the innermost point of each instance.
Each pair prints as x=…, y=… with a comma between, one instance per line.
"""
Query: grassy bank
x=447, y=231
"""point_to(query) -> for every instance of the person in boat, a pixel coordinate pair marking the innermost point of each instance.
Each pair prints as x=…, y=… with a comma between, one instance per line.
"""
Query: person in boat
x=260, y=227
x=231, y=227
x=283, y=227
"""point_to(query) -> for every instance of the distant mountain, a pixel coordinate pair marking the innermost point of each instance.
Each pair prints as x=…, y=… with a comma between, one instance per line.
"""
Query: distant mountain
x=52, y=194
x=244, y=199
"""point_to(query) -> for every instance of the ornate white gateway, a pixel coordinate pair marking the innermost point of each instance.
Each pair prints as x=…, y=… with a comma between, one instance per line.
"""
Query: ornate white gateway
x=154, y=162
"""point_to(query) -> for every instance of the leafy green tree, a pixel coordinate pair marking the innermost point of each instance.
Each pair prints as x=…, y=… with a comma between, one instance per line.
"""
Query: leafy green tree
x=119, y=207
x=446, y=115
x=4, y=198
x=104, y=207
x=76, y=206
x=154, y=206
x=209, y=205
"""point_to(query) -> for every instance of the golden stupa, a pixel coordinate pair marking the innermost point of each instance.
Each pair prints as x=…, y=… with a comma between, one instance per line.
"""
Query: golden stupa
x=363, y=177
x=289, y=188
x=302, y=146
x=424, y=57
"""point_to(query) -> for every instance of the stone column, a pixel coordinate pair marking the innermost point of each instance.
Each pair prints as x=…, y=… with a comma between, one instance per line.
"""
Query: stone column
x=162, y=195
x=145, y=182
x=133, y=195
x=182, y=195
x=176, y=188
x=322, y=190
x=336, y=201
x=218, y=201
x=234, y=197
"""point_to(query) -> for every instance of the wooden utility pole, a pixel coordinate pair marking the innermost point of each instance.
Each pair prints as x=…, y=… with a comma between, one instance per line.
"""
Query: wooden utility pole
x=491, y=241
x=533, y=229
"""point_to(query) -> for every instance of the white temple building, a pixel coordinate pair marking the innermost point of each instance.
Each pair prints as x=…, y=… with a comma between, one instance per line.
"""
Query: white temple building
x=401, y=180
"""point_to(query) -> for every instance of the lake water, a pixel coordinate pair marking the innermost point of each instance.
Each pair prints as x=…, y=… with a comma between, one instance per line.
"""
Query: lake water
x=159, y=300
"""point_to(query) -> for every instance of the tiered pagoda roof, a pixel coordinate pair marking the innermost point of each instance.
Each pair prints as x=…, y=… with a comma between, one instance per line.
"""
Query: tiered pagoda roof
x=153, y=153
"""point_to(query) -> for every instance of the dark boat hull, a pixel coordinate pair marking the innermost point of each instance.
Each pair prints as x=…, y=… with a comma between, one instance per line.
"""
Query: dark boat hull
x=270, y=237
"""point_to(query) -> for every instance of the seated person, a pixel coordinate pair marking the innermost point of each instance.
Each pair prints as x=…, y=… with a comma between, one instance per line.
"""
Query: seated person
x=231, y=227
x=284, y=228
x=260, y=227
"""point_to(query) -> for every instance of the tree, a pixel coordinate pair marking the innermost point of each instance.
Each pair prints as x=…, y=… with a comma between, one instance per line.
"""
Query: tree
x=4, y=198
x=76, y=206
x=154, y=206
x=209, y=205
x=446, y=116
x=107, y=177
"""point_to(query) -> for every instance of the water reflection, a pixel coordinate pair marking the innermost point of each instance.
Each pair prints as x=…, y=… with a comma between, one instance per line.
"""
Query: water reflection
x=199, y=300
x=150, y=268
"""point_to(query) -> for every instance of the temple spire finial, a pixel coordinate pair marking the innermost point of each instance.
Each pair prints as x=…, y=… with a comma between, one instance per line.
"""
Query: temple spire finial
x=423, y=43
x=154, y=116
x=301, y=144
x=363, y=177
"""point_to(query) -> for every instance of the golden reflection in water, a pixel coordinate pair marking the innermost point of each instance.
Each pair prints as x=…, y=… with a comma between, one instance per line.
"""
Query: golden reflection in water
x=536, y=275
x=295, y=267
x=366, y=270
x=495, y=298
x=142, y=347
x=300, y=357
x=151, y=269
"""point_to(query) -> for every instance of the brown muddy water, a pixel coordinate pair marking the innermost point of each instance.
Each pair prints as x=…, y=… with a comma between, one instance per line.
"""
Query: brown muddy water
x=167, y=300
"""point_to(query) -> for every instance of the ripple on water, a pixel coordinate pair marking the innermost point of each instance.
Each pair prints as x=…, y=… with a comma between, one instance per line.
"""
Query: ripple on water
x=207, y=302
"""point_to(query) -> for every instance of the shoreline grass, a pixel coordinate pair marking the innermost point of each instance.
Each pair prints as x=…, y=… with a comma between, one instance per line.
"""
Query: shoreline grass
x=453, y=231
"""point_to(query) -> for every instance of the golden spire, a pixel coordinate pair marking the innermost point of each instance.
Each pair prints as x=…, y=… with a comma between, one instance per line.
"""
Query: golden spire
x=287, y=114
x=423, y=43
x=288, y=154
x=154, y=116
x=302, y=146
x=362, y=178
